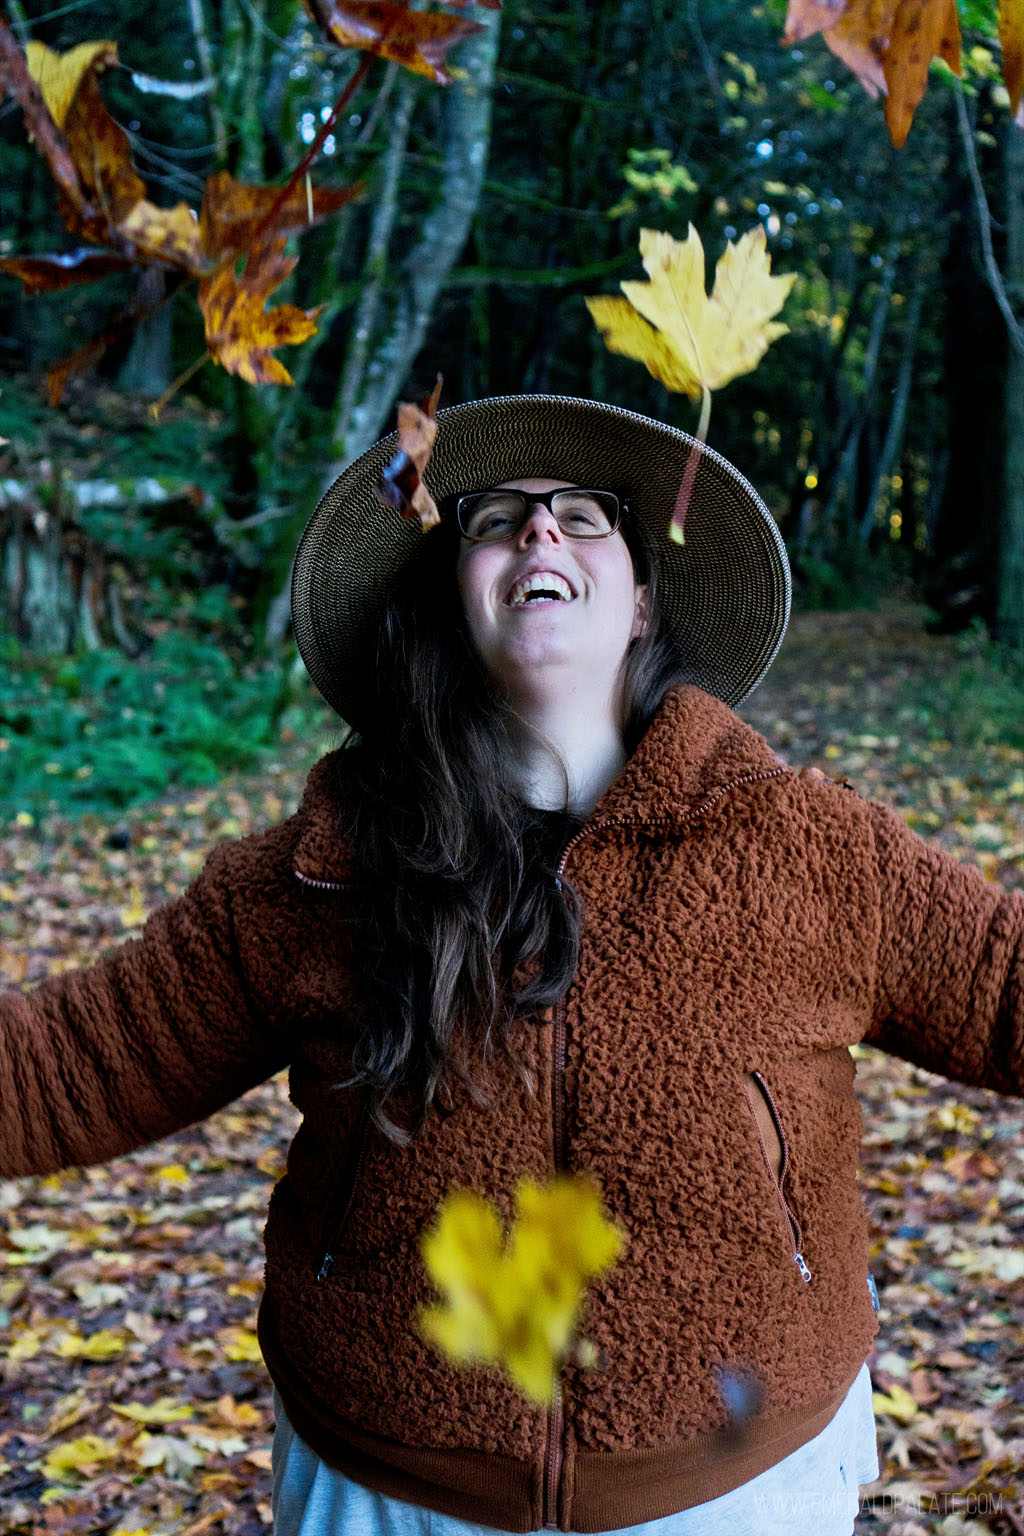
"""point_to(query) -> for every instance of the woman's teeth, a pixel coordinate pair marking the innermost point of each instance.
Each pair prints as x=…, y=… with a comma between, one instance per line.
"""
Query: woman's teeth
x=544, y=587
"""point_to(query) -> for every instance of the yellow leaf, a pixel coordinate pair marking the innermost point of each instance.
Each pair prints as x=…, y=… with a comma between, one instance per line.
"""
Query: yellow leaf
x=83, y=1455
x=135, y=913
x=239, y=1345
x=25, y=1345
x=172, y=1173
x=59, y=75
x=240, y=331
x=629, y=334
x=686, y=339
x=103, y=1345
x=897, y=1404
x=515, y=1303
x=166, y=1410
x=67, y=1411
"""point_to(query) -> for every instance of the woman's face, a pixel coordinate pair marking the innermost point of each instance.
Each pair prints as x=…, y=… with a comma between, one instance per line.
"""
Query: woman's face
x=584, y=621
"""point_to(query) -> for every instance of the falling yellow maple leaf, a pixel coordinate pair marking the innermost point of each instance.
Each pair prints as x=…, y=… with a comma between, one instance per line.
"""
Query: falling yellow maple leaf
x=693, y=342
x=690, y=341
x=515, y=1304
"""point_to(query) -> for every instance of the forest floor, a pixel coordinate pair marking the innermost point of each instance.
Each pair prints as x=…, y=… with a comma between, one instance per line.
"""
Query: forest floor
x=135, y=1401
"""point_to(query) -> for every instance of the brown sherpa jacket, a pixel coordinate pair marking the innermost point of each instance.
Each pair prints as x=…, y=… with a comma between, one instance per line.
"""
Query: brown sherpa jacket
x=744, y=926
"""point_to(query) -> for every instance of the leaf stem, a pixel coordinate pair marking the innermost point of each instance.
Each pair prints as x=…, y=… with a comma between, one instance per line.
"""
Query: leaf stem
x=172, y=389
x=355, y=81
x=705, y=414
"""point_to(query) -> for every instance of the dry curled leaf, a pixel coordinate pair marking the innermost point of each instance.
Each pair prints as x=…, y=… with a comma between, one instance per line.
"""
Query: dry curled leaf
x=234, y=213
x=418, y=40
x=401, y=484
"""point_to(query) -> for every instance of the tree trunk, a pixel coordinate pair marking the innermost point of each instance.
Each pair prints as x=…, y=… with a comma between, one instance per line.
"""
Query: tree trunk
x=389, y=332
x=146, y=372
x=1010, y=605
x=466, y=129
x=842, y=498
x=898, y=416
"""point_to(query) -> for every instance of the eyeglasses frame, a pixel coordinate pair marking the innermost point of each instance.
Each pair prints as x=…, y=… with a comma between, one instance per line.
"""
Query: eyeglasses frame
x=543, y=499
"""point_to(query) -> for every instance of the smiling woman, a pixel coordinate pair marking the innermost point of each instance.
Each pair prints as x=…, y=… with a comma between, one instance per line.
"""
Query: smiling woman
x=552, y=909
x=552, y=601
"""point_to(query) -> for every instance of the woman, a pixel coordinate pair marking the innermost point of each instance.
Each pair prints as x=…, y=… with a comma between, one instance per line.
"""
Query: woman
x=555, y=908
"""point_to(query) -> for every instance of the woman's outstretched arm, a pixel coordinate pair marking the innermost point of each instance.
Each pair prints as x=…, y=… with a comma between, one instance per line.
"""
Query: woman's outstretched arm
x=167, y=1028
x=949, y=992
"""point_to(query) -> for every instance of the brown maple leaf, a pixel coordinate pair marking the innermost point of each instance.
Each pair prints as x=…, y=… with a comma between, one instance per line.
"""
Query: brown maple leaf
x=240, y=331
x=418, y=40
x=234, y=212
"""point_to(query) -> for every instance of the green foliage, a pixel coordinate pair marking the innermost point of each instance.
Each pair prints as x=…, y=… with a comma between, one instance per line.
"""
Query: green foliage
x=96, y=731
x=976, y=702
x=846, y=577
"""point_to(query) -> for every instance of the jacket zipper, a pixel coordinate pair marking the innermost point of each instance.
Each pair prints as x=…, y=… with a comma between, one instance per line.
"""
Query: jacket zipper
x=324, y=885
x=780, y=1179
x=554, y=1451
x=335, y=1233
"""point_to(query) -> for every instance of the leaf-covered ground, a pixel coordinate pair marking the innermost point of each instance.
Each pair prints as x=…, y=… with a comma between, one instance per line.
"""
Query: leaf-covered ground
x=134, y=1399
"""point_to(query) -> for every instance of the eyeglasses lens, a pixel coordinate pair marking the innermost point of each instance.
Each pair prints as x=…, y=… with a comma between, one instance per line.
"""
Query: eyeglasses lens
x=492, y=516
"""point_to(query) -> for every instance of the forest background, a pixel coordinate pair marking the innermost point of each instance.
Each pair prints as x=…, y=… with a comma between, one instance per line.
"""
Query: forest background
x=145, y=651
x=886, y=431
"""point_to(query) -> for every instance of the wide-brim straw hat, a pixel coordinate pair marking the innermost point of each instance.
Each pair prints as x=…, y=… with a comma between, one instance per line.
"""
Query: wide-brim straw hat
x=725, y=594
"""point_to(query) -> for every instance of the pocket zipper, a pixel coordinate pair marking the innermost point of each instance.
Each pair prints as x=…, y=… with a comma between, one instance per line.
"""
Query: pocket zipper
x=335, y=1234
x=779, y=1179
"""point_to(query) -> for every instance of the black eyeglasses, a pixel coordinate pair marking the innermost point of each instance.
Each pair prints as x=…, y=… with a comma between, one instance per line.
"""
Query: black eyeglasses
x=491, y=517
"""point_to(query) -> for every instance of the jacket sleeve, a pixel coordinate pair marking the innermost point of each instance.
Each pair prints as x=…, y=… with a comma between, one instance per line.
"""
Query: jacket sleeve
x=159, y=1033
x=949, y=993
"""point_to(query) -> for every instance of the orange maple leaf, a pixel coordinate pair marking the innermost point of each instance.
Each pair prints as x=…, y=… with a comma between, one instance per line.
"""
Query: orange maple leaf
x=888, y=44
x=1011, y=40
x=921, y=31
x=240, y=332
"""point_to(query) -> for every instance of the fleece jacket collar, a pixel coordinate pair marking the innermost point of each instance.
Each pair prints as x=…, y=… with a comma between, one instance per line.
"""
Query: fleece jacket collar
x=694, y=748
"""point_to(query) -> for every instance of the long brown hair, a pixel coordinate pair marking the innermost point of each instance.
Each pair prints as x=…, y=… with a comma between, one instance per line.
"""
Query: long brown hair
x=462, y=894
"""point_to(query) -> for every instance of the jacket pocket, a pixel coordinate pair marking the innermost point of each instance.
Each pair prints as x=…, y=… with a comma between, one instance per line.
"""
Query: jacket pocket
x=775, y=1150
x=341, y=1210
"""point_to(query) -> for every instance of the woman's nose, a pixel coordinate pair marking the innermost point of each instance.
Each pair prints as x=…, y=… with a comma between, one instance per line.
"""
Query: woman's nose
x=540, y=522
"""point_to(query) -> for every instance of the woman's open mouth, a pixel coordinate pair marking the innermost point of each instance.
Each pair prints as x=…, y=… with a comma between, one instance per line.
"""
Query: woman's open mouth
x=542, y=587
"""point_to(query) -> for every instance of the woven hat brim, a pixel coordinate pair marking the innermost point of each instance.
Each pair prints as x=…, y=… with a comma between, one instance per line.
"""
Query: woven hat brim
x=725, y=594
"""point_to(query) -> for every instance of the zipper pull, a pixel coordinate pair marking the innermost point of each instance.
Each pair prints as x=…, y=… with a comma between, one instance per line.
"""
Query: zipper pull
x=328, y=1260
x=798, y=1260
